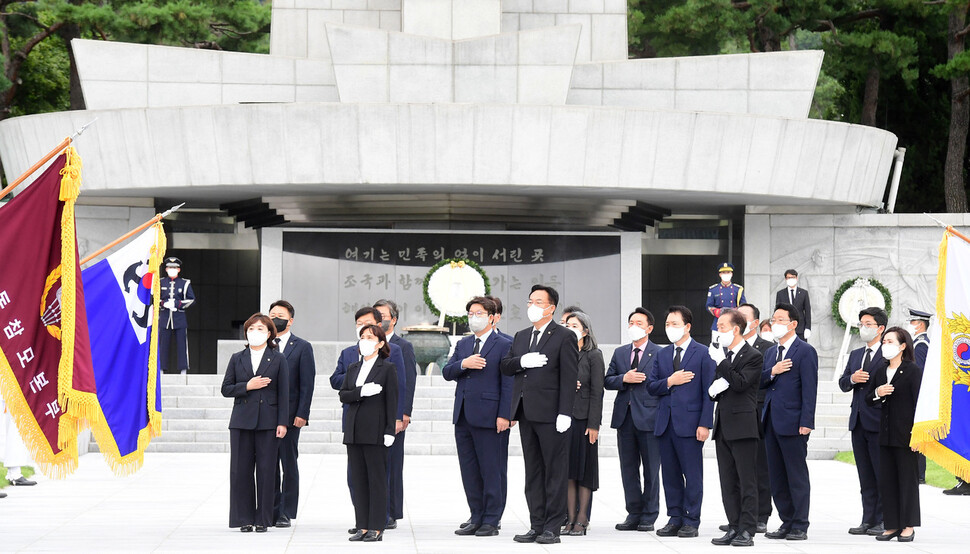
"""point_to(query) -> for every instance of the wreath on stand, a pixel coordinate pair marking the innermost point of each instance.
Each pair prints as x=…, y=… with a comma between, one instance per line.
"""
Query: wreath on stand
x=859, y=285
x=450, y=284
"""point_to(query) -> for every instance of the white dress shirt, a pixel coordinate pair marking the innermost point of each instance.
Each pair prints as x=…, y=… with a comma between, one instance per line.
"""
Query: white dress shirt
x=365, y=368
x=284, y=338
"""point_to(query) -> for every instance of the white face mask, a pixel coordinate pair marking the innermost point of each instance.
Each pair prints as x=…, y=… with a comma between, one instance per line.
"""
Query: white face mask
x=911, y=329
x=535, y=313
x=635, y=333
x=791, y=282
x=578, y=333
x=779, y=330
x=367, y=347
x=674, y=334
x=257, y=338
x=477, y=324
x=726, y=277
x=172, y=273
x=749, y=327
x=890, y=351
x=768, y=336
x=725, y=339
x=868, y=333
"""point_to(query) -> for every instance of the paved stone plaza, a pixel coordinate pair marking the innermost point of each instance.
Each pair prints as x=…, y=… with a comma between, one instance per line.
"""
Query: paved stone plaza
x=179, y=503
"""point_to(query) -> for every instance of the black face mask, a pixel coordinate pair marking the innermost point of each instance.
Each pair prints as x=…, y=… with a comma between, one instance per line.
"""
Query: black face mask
x=280, y=324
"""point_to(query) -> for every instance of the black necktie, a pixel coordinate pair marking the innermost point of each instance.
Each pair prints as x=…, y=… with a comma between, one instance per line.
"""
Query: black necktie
x=792, y=295
x=534, y=347
x=677, y=359
x=478, y=345
x=865, y=364
x=730, y=356
x=781, y=353
x=636, y=359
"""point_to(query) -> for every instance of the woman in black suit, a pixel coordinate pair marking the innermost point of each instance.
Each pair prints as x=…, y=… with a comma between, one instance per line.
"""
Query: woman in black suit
x=585, y=426
x=895, y=385
x=257, y=379
x=370, y=392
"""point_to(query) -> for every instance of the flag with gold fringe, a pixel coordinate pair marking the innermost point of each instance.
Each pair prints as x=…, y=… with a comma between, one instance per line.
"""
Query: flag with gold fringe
x=941, y=429
x=45, y=359
x=121, y=296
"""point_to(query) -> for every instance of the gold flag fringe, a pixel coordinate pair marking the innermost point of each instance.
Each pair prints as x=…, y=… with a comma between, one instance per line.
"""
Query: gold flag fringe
x=154, y=265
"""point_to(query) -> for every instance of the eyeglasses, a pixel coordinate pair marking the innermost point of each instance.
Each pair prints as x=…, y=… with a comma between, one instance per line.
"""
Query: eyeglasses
x=537, y=303
x=781, y=321
x=479, y=313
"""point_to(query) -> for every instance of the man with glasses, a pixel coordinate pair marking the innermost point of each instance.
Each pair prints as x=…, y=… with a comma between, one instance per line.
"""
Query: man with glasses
x=482, y=417
x=790, y=374
x=864, y=419
x=544, y=360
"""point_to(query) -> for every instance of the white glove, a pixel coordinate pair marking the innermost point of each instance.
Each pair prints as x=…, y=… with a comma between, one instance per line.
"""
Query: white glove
x=808, y=334
x=717, y=387
x=562, y=423
x=388, y=440
x=717, y=354
x=370, y=389
x=533, y=359
x=169, y=305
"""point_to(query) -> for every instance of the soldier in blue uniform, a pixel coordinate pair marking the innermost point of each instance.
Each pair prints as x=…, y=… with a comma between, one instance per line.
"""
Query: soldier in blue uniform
x=919, y=322
x=176, y=297
x=725, y=294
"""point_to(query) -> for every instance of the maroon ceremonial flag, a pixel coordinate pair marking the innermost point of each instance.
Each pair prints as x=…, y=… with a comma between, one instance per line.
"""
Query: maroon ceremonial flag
x=46, y=374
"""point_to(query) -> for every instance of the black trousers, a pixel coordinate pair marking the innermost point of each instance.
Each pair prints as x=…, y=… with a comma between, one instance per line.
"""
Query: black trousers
x=395, y=477
x=738, y=472
x=546, y=470
x=764, y=476
x=252, y=459
x=865, y=448
x=181, y=348
x=288, y=475
x=368, y=463
x=899, y=487
x=791, y=488
x=639, y=449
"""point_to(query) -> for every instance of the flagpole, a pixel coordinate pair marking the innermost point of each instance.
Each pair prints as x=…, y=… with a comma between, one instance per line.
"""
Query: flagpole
x=949, y=228
x=129, y=234
x=57, y=150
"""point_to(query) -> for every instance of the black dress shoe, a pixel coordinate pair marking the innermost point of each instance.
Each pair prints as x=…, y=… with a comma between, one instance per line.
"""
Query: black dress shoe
x=23, y=482
x=860, y=530
x=781, y=533
x=743, y=539
x=357, y=537
x=486, y=530
x=372, y=536
x=645, y=527
x=687, y=532
x=876, y=529
x=669, y=530
x=627, y=525
x=391, y=523
x=547, y=537
x=962, y=488
x=761, y=528
x=3, y=494
x=797, y=535
x=726, y=539
x=246, y=528
x=283, y=521
x=888, y=536
x=467, y=522
x=726, y=527
x=260, y=528
x=907, y=538
x=468, y=530
x=530, y=536
x=353, y=530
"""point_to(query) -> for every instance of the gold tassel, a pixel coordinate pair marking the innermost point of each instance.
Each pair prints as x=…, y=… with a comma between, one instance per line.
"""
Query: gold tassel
x=70, y=175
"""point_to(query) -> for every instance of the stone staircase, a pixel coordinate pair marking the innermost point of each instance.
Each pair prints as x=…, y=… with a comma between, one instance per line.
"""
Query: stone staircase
x=195, y=417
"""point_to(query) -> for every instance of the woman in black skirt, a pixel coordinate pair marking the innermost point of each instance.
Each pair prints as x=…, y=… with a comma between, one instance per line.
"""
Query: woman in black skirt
x=258, y=381
x=584, y=430
x=895, y=385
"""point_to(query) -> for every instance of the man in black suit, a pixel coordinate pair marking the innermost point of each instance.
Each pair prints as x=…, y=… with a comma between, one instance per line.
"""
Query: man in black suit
x=395, y=454
x=544, y=360
x=864, y=418
x=634, y=415
x=302, y=373
x=798, y=297
x=736, y=430
x=752, y=336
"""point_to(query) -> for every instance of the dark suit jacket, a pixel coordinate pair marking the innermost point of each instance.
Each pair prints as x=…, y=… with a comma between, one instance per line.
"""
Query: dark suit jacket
x=541, y=394
x=485, y=394
x=921, y=346
x=736, y=415
x=302, y=373
x=686, y=407
x=762, y=345
x=861, y=412
x=588, y=400
x=803, y=303
x=351, y=355
x=410, y=371
x=791, y=395
x=642, y=404
x=368, y=419
x=898, y=408
x=259, y=409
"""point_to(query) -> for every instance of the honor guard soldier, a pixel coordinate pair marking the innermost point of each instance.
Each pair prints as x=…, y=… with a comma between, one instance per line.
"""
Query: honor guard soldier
x=724, y=295
x=919, y=322
x=176, y=297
